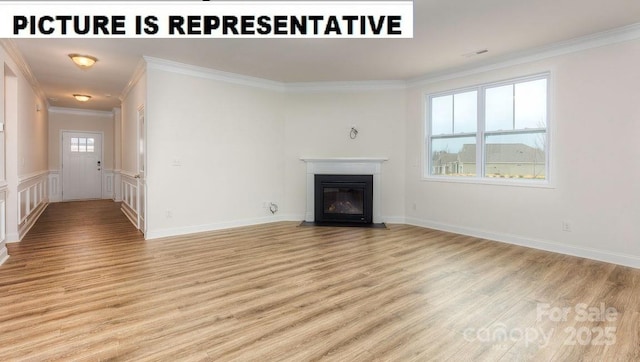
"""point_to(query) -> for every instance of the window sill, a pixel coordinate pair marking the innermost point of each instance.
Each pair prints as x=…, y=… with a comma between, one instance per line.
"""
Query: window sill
x=544, y=184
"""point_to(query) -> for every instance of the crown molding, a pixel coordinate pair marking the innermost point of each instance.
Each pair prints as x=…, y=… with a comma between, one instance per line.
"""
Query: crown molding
x=609, y=37
x=234, y=78
x=373, y=85
x=14, y=53
x=213, y=74
x=80, y=112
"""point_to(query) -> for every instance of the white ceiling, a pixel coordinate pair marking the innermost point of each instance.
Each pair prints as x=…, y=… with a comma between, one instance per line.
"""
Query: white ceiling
x=444, y=31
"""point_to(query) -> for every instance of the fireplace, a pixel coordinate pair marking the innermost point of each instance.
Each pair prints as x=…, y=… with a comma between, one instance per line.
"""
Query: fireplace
x=343, y=199
x=344, y=166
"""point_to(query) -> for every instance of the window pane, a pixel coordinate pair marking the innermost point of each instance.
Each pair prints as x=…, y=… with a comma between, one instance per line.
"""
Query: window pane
x=90, y=144
x=442, y=115
x=82, y=146
x=531, y=104
x=465, y=112
x=453, y=156
x=516, y=156
x=499, y=108
x=74, y=144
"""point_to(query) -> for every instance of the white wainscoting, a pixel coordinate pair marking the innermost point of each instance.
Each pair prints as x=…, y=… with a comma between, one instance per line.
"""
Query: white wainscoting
x=33, y=198
x=129, y=191
x=107, y=184
x=117, y=182
x=55, y=186
x=4, y=253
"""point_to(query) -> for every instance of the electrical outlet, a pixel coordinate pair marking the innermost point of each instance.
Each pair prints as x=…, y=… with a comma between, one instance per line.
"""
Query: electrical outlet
x=414, y=206
x=566, y=226
x=169, y=214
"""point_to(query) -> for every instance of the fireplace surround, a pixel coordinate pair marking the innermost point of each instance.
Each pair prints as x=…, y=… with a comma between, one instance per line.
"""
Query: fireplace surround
x=344, y=166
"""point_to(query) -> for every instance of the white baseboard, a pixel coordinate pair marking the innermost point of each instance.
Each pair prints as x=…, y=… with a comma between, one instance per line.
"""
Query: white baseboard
x=24, y=229
x=162, y=233
x=4, y=254
x=155, y=234
x=31, y=220
x=130, y=214
x=589, y=253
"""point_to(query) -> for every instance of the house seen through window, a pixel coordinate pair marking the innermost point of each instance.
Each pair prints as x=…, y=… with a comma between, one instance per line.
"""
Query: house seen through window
x=496, y=131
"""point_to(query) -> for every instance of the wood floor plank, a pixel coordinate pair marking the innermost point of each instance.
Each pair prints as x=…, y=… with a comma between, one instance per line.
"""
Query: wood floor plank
x=84, y=285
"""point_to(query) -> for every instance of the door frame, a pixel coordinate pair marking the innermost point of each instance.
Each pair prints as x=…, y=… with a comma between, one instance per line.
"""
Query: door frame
x=61, y=172
x=141, y=160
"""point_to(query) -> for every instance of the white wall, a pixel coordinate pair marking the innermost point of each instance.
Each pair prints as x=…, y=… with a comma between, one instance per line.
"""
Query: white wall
x=595, y=123
x=26, y=144
x=215, y=153
x=318, y=124
x=33, y=131
x=210, y=140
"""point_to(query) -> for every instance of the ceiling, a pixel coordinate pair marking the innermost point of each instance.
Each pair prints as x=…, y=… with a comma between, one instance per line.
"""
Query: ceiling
x=445, y=32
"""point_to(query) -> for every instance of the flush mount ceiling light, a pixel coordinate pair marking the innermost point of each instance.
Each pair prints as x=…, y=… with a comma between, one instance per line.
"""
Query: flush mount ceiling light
x=81, y=97
x=83, y=61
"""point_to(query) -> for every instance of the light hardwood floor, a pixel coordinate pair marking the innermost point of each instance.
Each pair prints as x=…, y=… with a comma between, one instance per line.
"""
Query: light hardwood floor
x=84, y=285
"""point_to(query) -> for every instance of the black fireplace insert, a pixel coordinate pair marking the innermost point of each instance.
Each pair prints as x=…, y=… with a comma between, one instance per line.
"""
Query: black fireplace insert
x=343, y=199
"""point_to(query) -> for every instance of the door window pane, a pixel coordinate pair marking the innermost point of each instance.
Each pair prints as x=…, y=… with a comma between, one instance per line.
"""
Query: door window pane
x=74, y=144
x=90, y=145
x=82, y=145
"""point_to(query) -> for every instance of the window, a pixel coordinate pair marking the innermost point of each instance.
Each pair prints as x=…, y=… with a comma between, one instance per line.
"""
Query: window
x=81, y=144
x=492, y=131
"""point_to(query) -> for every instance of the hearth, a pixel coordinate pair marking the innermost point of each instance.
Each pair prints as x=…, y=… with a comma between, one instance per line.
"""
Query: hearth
x=343, y=199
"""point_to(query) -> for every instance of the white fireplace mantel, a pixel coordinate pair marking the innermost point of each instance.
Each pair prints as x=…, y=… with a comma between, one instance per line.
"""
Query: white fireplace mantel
x=344, y=166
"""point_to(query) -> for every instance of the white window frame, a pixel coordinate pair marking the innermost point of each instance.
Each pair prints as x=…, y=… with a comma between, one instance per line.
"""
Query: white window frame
x=481, y=134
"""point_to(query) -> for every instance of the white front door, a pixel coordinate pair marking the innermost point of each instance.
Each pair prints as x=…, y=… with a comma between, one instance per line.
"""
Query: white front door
x=81, y=166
